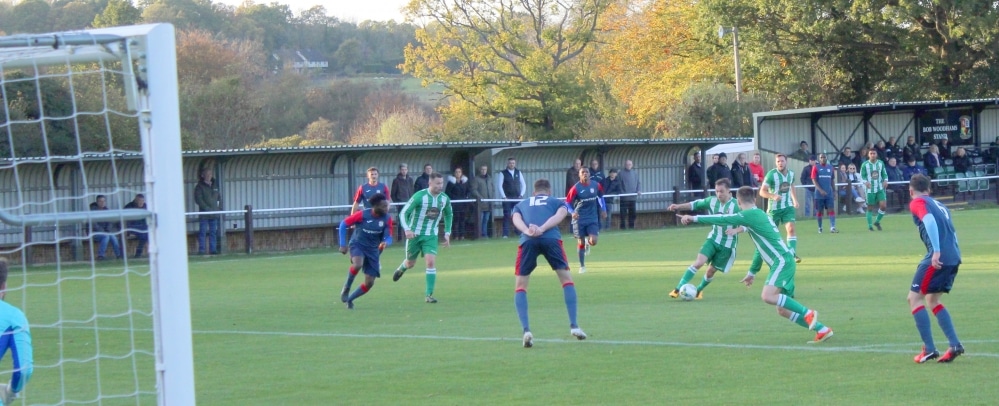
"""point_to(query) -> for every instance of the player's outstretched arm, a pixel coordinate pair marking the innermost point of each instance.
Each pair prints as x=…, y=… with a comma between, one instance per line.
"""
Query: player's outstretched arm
x=723, y=219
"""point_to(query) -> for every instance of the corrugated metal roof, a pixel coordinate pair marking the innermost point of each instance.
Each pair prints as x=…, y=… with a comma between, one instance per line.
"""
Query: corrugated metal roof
x=876, y=107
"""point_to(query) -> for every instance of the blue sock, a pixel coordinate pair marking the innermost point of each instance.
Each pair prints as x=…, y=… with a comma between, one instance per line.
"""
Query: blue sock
x=360, y=291
x=819, y=217
x=832, y=220
x=943, y=319
x=582, y=254
x=569, y=290
x=520, y=300
x=923, y=325
x=350, y=278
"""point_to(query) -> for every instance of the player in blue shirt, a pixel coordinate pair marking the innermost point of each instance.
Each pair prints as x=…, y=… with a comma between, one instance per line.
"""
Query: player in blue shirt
x=936, y=272
x=585, y=201
x=537, y=218
x=824, y=178
x=368, y=190
x=372, y=233
x=16, y=338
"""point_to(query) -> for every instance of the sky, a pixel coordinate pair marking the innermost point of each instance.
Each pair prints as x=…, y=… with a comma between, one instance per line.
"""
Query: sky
x=345, y=10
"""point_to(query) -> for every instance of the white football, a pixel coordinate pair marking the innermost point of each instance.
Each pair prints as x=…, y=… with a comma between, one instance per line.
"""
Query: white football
x=688, y=292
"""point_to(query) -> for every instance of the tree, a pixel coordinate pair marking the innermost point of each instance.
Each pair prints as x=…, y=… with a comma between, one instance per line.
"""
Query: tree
x=29, y=16
x=708, y=110
x=348, y=56
x=508, y=59
x=75, y=15
x=117, y=13
x=222, y=115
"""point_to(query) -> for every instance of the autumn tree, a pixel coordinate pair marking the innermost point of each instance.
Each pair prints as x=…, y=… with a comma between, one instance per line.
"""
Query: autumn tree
x=508, y=59
x=117, y=13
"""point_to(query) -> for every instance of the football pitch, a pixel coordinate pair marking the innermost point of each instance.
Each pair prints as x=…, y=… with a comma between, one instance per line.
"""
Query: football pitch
x=270, y=329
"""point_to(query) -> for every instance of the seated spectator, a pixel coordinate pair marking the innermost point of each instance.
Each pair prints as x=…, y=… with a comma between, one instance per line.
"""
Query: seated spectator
x=911, y=168
x=854, y=186
x=944, y=151
x=802, y=153
x=893, y=149
x=896, y=181
x=138, y=228
x=103, y=231
x=846, y=157
x=882, y=151
x=961, y=161
x=932, y=160
x=911, y=150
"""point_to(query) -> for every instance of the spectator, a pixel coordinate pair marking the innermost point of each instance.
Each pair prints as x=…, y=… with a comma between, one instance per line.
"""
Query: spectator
x=993, y=155
x=423, y=181
x=458, y=188
x=572, y=175
x=911, y=150
x=932, y=160
x=482, y=189
x=208, y=199
x=961, y=161
x=808, y=186
x=756, y=169
x=944, y=149
x=803, y=152
x=720, y=170
x=402, y=190
x=630, y=184
x=510, y=185
x=855, y=186
x=912, y=169
x=694, y=173
x=103, y=231
x=740, y=172
x=612, y=186
x=597, y=175
x=138, y=228
x=896, y=179
x=714, y=159
x=893, y=149
x=881, y=150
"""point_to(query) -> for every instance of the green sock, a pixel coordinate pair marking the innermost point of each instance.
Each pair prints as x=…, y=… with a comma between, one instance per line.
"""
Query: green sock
x=704, y=283
x=687, y=276
x=870, y=219
x=800, y=320
x=431, y=280
x=402, y=267
x=881, y=215
x=788, y=303
x=792, y=243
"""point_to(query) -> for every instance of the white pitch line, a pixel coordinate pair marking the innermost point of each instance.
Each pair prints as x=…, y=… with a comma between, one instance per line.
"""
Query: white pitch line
x=806, y=347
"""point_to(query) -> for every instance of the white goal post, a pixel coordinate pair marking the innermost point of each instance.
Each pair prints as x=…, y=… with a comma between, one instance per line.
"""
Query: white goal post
x=48, y=193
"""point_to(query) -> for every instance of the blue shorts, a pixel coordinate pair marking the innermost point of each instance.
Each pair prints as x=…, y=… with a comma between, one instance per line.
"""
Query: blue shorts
x=371, y=255
x=932, y=280
x=824, y=202
x=582, y=230
x=528, y=252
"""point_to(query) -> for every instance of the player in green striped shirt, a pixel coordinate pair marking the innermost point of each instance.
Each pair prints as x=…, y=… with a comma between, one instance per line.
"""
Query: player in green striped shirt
x=778, y=186
x=719, y=248
x=419, y=219
x=779, y=287
x=875, y=178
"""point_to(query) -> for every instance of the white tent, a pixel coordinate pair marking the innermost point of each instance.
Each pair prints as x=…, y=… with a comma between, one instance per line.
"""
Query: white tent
x=732, y=149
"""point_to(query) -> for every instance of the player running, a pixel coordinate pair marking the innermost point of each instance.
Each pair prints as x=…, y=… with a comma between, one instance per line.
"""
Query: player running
x=537, y=218
x=936, y=272
x=420, y=218
x=372, y=233
x=778, y=186
x=779, y=287
x=719, y=248
x=824, y=178
x=875, y=178
x=585, y=201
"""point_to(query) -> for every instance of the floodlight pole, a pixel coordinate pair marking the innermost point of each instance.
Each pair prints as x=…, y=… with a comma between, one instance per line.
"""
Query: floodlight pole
x=735, y=44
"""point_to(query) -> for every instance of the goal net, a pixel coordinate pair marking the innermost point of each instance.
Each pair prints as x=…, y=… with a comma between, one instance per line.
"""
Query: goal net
x=90, y=121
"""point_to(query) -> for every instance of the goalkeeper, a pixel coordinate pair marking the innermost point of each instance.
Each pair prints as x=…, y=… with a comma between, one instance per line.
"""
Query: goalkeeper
x=372, y=233
x=16, y=338
x=778, y=289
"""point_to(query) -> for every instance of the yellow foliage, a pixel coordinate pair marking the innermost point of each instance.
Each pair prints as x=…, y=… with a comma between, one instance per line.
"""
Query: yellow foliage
x=654, y=54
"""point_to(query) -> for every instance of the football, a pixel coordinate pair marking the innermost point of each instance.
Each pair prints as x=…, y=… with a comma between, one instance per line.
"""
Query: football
x=688, y=292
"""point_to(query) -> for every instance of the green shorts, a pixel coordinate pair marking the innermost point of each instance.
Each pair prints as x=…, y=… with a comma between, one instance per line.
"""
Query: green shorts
x=782, y=274
x=421, y=244
x=718, y=256
x=782, y=216
x=875, y=197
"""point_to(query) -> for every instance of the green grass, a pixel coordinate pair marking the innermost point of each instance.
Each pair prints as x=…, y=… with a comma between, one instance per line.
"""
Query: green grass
x=271, y=330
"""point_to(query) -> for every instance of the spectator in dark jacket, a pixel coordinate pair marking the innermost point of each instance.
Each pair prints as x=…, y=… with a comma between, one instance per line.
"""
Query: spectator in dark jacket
x=612, y=186
x=932, y=160
x=572, y=175
x=944, y=147
x=846, y=157
x=138, y=228
x=911, y=150
x=808, y=186
x=893, y=149
x=209, y=199
x=895, y=174
x=912, y=169
x=458, y=188
x=402, y=190
x=694, y=173
x=103, y=231
x=423, y=181
x=719, y=170
x=961, y=161
x=741, y=176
